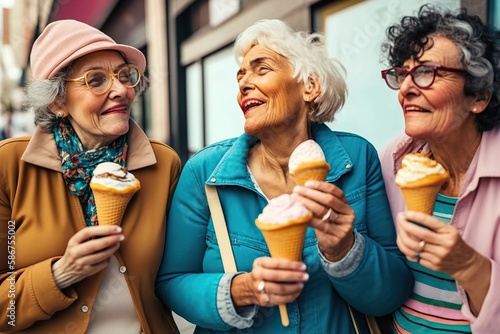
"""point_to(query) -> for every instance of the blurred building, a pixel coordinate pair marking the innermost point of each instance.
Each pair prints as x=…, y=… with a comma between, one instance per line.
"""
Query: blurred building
x=192, y=99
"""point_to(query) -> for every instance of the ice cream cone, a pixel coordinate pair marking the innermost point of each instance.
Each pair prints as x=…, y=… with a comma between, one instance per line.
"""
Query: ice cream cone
x=111, y=203
x=310, y=170
x=420, y=195
x=420, y=178
x=285, y=241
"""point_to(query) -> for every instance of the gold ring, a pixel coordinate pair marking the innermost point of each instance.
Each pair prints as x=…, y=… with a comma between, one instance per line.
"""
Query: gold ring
x=421, y=244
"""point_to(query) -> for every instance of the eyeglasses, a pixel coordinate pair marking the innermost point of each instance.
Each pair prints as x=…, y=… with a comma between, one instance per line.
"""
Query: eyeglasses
x=100, y=81
x=422, y=75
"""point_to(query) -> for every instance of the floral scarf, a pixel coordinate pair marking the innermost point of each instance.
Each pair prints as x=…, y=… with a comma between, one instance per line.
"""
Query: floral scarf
x=78, y=165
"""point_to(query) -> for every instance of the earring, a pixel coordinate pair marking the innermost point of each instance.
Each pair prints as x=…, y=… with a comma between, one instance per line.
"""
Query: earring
x=59, y=115
x=474, y=109
x=307, y=100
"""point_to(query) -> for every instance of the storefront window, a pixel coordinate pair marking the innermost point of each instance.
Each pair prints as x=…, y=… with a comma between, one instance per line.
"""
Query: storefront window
x=194, y=103
x=223, y=117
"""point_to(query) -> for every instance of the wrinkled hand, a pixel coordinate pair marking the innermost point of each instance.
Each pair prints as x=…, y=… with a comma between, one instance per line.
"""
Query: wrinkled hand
x=333, y=231
x=271, y=282
x=439, y=245
x=86, y=255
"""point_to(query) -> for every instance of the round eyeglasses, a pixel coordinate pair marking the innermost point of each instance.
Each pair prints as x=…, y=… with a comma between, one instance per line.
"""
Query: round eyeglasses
x=423, y=76
x=101, y=81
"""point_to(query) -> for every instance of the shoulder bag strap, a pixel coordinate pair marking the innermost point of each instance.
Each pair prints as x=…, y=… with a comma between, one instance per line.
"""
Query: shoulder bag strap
x=371, y=322
x=220, y=227
x=227, y=252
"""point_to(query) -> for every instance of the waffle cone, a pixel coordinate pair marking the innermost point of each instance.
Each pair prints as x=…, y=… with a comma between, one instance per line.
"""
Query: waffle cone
x=111, y=203
x=420, y=196
x=310, y=170
x=285, y=240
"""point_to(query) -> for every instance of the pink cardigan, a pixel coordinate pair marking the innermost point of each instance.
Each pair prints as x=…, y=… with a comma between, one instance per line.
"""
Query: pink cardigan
x=477, y=213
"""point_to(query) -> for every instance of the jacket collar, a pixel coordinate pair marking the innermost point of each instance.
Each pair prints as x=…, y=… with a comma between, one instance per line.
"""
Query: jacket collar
x=42, y=150
x=232, y=167
x=404, y=145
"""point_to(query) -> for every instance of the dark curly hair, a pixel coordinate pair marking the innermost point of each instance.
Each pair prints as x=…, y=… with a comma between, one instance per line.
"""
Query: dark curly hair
x=480, y=53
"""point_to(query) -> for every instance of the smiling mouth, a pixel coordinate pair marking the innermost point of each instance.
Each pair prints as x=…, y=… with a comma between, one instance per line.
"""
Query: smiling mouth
x=250, y=104
x=415, y=109
x=121, y=109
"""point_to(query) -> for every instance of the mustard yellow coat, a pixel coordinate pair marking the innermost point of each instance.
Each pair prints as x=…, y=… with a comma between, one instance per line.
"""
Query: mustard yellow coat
x=38, y=216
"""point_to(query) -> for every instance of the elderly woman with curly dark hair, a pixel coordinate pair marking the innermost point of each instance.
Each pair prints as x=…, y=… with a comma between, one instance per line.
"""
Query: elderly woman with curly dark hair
x=446, y=67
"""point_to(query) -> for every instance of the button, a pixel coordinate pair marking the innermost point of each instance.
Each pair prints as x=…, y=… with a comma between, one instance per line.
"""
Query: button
x=85, y=308
x=212, y=179
x=348, y=166
x=123, y=269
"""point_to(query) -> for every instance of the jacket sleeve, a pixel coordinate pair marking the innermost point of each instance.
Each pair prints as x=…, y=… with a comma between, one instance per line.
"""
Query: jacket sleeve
x=26, y=294
x=488, y=320
x=382, y=281
x=181, y=282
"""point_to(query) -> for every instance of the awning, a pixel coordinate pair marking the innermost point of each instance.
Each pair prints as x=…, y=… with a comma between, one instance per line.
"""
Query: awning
x=92, y=12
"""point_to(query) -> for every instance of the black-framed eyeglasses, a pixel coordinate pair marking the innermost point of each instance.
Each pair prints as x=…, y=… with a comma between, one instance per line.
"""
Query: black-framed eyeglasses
x=100, y=81
x=423, y=76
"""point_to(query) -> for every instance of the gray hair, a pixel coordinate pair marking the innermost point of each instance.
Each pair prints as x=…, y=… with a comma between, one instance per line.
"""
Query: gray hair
x=42, y=94
x=308, y=58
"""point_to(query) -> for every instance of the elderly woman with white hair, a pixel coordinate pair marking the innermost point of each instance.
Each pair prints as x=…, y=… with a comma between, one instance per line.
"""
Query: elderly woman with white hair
x=288, y=88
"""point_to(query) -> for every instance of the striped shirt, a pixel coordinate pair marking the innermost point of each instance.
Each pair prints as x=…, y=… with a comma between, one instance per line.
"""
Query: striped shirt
x=434, y=306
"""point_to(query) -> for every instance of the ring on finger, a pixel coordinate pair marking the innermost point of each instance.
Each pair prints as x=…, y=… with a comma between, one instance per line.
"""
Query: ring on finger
x=417, y=256
x=421, y=244
x=327, y=215
x=334, y=218
x=262, y=287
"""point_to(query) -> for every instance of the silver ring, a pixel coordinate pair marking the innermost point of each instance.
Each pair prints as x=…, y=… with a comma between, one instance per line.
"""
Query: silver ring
x=262, y=287
x=328, y=214
x=421, y=244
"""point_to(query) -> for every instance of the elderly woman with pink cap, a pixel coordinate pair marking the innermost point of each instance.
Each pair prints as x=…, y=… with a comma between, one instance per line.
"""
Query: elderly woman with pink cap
x=60, y=272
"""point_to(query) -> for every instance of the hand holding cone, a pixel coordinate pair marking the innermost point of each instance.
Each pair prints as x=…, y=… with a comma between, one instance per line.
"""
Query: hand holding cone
x=283, y=223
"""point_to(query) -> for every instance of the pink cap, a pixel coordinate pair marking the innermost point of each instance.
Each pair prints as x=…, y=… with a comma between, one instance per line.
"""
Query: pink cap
x=63, y=41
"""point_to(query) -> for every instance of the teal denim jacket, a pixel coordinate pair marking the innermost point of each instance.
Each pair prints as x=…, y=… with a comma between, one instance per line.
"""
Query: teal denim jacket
x=373, y=277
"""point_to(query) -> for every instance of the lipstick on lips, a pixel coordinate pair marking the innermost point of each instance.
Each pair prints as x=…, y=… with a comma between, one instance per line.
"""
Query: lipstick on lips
x=250, y=103
x=116, y=108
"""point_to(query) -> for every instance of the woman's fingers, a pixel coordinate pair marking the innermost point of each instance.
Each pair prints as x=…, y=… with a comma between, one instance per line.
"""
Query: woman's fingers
x=87, y=252
x=277, y=281
x=93, y=232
